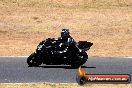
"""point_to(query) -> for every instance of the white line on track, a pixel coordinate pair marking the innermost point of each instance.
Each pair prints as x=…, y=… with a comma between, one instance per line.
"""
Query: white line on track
x=13, y=56
x=28, y=56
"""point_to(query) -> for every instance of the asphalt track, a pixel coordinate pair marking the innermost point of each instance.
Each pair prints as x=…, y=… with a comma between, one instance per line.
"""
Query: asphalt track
x=16, y=70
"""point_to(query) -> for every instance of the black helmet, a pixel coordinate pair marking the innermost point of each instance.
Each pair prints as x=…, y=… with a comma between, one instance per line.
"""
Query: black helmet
x=65, y=33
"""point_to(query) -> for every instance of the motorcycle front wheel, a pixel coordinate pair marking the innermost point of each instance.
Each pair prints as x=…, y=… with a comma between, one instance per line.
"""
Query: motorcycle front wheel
x=32, y=60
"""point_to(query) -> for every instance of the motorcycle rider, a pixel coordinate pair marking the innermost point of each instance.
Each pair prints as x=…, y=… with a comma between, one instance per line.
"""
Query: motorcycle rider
x=65, y=40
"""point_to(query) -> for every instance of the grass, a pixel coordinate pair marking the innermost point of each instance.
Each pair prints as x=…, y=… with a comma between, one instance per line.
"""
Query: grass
x=106, y=23
x=61, y=85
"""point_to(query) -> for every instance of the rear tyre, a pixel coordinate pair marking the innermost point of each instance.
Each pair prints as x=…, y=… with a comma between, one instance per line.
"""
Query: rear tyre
x=82, y=58
x=33, y=60
x=76, y=64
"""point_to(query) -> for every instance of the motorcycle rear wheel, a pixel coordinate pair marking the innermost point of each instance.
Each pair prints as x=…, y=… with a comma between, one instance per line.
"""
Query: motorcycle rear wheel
x=82, y=58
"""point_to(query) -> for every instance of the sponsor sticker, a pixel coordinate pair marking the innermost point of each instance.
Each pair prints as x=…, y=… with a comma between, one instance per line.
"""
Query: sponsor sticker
x=107, y=78
x=83, y=77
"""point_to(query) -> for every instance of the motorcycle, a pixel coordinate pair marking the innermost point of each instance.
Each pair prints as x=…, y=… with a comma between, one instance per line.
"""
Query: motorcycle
x=47, y=52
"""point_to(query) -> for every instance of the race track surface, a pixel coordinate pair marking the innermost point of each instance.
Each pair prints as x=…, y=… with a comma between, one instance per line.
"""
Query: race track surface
x=16, y=70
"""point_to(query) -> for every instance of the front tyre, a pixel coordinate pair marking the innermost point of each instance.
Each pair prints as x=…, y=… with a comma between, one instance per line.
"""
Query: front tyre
x=33, y=60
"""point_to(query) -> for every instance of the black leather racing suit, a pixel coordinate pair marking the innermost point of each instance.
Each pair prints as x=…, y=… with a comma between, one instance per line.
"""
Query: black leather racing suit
x=65, y=43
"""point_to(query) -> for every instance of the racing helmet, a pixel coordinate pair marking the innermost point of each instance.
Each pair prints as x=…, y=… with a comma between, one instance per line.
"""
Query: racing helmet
x=65, y=33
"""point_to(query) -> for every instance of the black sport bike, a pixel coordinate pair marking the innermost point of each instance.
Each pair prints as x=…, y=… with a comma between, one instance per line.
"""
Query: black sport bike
x=47, y=52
